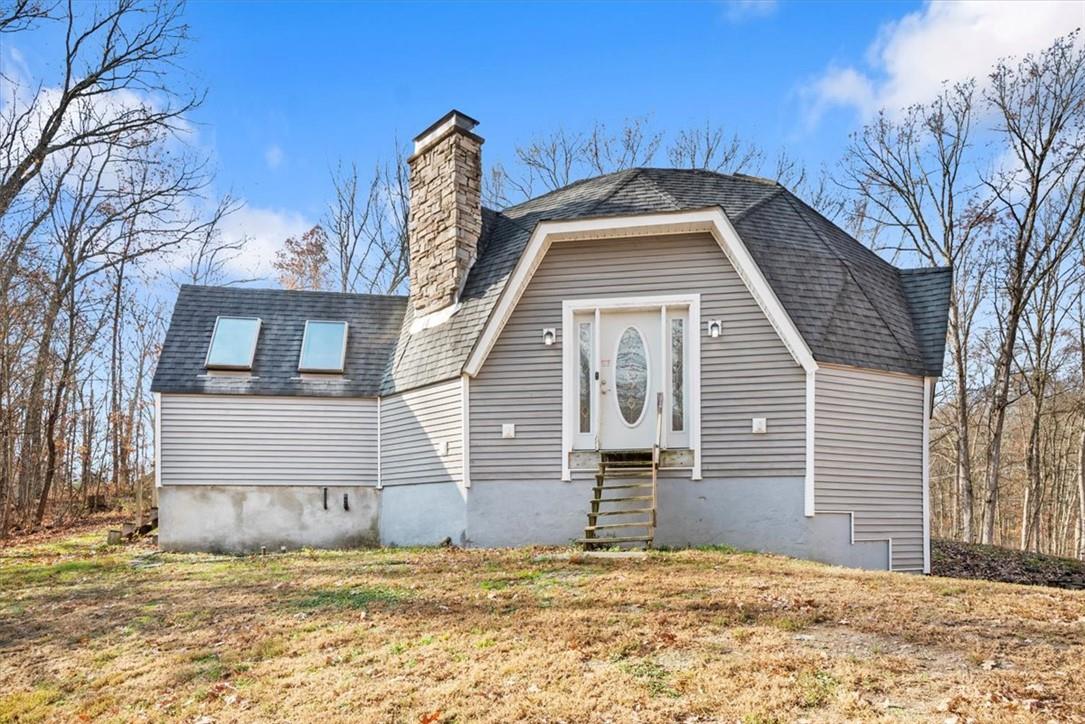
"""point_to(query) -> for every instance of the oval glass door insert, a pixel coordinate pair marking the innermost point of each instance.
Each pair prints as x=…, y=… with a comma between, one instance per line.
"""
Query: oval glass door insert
x=631, y=375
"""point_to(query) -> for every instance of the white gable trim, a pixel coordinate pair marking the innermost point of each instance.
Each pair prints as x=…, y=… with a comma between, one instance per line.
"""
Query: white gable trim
x=711, y=220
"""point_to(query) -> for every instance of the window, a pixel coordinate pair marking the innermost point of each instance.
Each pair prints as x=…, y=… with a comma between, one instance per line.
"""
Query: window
x=631, y=376
x=584, y=342
x=677, y=373
x=323, y=347
x=233, y=343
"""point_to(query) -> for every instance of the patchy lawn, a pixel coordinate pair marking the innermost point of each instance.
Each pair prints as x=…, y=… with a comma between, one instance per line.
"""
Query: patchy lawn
x=93, y=632
x=992, y=563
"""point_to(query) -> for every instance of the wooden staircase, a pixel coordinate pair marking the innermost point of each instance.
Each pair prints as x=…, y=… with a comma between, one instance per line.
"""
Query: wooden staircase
x=623, y=502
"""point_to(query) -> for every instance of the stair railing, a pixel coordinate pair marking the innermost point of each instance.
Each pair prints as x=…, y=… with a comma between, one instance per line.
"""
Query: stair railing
x=656, y=455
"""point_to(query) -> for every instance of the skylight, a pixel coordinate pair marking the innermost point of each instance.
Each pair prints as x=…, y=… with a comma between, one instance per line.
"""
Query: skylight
x=233, y=343
x=323, y=347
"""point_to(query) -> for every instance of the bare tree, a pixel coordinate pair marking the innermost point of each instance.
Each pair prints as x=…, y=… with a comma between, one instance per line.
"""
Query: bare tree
x=1039, y=196
x=710, y=148
x=211, y=255
x=367, y=228
x=17, y=15
x=1040, y=360
x=122, y=48
x=95, y=182
x=634, y=145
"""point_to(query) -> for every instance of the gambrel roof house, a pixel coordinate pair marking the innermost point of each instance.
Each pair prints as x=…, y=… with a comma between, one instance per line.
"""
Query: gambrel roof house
x=655, y=356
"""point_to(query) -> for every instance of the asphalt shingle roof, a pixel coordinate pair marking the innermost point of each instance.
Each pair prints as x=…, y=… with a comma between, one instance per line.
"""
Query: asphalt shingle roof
x=851, y=306
x=373, y=320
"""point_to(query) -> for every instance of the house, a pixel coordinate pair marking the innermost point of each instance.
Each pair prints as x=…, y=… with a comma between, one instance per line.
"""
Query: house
x=782, y=371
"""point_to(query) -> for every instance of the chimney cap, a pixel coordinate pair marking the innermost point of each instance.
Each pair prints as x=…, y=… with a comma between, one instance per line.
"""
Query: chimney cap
x=452, y=119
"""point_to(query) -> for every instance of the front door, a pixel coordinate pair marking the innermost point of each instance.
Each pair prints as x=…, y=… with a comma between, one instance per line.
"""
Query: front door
x=630, y=377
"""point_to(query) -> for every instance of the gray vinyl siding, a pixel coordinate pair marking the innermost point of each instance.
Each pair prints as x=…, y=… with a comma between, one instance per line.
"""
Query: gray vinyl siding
x=745, y=373
x=257, y=440
x=413, y=424
x=869, y=455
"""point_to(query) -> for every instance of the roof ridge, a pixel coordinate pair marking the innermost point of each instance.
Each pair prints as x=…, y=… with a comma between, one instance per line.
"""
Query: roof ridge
x=566, y=187
x=280, y=290
x=862, y=290
x=925, y=269
x=863, y=249
x=635, y=172
x=761, y=201
x=660, y=190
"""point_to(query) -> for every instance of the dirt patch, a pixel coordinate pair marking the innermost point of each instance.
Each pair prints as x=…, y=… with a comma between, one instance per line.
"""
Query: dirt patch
x=993, y=563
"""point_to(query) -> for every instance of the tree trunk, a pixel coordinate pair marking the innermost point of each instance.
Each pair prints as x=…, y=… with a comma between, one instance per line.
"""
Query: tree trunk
x=1081, y=493
x=54, y=413
x=1000, y=395
x=965, y=490
x=1030, y=506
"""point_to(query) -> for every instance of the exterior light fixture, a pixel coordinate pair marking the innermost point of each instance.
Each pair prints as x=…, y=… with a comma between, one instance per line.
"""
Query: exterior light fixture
x=549, y=335
x=715, y=328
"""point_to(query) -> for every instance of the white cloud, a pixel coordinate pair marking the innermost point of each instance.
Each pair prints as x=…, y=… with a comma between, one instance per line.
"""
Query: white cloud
x=264, y=231
x=944, y=41
x=739, y=10
x=273, y=156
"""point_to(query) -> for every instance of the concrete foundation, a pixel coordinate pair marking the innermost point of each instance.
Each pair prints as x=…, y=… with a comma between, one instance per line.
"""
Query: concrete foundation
x=422, y=515
x=242, y=518
x=763, y=514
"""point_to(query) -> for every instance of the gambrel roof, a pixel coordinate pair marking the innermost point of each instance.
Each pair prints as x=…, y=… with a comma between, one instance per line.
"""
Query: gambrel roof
x=850, y=306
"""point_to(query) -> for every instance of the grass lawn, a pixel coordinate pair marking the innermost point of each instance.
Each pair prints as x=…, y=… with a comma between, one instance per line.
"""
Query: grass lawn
x=91, y=632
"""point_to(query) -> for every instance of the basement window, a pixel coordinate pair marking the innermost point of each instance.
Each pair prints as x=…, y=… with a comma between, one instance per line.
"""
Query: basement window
x=233, y=343
x=323, y=347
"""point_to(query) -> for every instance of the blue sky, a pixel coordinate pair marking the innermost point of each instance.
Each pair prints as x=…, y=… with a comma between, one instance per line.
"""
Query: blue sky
x=293, y=88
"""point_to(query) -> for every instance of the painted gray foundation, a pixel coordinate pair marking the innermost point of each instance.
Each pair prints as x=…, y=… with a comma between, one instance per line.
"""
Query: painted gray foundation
x=518, y=513
x=762, y=514
x=422, y=514
x=242, y=518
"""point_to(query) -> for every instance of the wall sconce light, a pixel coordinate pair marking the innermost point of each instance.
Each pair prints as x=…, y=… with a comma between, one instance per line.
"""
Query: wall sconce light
x=715, y=327
x=549, y=335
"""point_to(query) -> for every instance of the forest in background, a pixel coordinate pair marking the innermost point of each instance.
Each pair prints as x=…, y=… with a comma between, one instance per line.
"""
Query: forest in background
x=106, y=206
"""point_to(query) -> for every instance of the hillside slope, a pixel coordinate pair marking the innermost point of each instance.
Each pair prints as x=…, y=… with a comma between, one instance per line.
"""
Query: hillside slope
x=89, y=632
x=992, y=563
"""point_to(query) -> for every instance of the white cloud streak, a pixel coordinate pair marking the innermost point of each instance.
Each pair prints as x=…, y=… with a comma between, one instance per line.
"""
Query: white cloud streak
x=738, y=11
x=944, y=41
x=264, y=231
x=274, y=156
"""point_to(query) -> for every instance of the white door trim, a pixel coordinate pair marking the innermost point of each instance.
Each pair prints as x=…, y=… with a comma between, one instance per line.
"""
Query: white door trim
x=569, y=308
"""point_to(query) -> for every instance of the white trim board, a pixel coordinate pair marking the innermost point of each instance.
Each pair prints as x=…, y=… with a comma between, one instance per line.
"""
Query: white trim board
x=928, y=383
x=570, y=307
x=158, y=439
x=811, y=439
x=465, y=430
x=711, y=220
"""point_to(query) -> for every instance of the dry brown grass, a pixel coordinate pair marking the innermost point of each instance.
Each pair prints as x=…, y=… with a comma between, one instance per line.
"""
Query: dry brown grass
x=89, y=632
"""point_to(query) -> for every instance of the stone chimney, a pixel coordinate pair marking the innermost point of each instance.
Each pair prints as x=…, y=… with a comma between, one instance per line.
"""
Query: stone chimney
x=445, y=218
